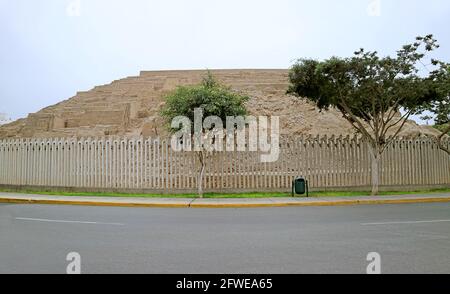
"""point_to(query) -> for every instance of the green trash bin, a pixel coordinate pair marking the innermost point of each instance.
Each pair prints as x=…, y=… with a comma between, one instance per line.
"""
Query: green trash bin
x=300, y=187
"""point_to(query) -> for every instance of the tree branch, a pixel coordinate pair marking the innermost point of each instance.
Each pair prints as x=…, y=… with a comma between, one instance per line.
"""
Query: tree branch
x=439, y=140
x=389, y=141
x=354, y=120
x=404, y=117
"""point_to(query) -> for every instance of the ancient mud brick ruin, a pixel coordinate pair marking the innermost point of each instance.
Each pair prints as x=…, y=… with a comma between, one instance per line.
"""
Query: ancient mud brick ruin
x=130, y=107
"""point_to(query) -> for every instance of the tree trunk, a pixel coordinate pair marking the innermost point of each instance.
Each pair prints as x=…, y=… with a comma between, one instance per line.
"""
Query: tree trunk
x=375, y=169
x=200, y=175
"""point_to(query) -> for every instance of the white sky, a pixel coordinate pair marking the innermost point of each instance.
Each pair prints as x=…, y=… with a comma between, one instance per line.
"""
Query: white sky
x=50, y=49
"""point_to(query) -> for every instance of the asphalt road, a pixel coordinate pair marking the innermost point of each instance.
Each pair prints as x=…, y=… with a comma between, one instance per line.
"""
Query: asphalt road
x=412, y=238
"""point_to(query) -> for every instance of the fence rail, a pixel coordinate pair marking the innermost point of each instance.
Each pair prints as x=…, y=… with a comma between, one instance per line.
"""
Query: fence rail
x=151, y=164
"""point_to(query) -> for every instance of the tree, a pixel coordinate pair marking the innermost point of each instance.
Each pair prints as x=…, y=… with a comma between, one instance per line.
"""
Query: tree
x=213, y=99
x=441, y=107
x=370, y=91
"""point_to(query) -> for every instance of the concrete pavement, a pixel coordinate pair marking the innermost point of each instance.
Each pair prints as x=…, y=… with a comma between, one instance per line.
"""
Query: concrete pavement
x=410, y=238
x=219, y=202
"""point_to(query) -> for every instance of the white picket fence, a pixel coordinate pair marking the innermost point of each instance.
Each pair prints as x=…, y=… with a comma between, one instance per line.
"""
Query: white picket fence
x=151, y=164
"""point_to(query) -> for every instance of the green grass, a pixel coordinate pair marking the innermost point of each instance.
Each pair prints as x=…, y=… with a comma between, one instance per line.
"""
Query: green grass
x=222, y=195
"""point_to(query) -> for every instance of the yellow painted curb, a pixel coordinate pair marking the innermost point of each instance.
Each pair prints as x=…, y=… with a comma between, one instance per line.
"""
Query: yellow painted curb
x=225, y=205
x=91, y=203
x=323, y=203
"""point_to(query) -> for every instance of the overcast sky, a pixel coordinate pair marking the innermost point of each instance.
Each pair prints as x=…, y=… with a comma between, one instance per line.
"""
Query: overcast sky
x=50, y=49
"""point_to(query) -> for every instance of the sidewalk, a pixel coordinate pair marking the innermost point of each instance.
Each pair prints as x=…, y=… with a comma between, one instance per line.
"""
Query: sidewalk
x=219, y=203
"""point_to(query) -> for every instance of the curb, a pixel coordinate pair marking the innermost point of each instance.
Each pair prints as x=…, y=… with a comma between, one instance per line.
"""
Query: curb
x=91, y=203
x=226, y=205
x=325, y=203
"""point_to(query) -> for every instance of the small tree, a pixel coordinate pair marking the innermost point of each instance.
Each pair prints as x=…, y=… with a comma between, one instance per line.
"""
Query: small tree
x=370, y=91
x=214, y=99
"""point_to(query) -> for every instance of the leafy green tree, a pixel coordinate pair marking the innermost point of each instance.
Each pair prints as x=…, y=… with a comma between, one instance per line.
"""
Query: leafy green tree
x=441, y=107
x=214, y=99
x=370, y=91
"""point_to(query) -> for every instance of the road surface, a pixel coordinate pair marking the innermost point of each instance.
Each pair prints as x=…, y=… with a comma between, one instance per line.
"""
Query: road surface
x=410, y=238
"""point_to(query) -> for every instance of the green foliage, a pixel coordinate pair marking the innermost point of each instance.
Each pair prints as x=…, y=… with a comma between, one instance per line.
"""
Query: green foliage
x=442, y=128
x=442, y=111
x=214, y=98
x=441, y=107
